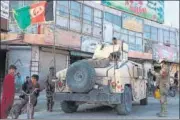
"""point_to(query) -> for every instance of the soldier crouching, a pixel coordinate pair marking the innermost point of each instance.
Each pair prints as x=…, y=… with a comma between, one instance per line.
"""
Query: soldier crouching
x=50, y=89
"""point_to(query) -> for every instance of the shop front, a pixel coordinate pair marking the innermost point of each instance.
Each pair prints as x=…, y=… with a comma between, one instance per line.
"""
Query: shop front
x=170, y=53
x=143, y=58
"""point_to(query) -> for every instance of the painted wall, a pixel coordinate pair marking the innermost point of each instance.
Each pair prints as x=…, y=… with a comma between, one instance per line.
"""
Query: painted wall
x=20, y=57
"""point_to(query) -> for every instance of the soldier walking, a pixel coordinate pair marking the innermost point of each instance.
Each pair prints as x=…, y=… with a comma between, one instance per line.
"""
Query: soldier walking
x=163, y=83
x=50, y=88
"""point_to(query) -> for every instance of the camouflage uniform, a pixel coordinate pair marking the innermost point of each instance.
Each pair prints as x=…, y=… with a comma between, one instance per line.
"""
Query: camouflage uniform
x=163, y=83
x=50, y=89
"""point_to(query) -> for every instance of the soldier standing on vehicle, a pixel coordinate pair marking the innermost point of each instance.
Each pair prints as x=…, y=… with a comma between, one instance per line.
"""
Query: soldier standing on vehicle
x=163, y=83
x=116, y=55
x=50, y=89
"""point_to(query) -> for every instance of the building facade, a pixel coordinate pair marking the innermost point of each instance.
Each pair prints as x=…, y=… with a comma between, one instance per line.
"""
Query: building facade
x=81, y=25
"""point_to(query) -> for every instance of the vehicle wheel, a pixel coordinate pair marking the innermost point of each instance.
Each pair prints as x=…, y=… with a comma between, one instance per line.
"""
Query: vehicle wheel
x=126, y=102
x=69, y=106
x=145, y=100
x=80, y=77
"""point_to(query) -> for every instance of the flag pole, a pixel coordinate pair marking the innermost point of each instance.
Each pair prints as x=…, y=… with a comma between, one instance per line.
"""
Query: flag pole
x=54, y=45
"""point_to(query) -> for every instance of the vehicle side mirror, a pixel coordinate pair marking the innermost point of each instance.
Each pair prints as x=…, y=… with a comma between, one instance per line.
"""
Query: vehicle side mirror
x=135, y=72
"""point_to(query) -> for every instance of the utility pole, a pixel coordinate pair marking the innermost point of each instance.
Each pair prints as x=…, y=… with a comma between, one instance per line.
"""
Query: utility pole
x=54, y=46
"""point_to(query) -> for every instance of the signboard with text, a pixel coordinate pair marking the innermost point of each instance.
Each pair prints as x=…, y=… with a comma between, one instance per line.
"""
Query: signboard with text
x=152, y=10
x=132, y=23
x=161, y=51
x=5, y=9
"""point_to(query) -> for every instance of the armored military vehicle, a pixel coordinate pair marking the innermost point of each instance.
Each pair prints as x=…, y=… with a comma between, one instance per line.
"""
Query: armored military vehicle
x=109, y=78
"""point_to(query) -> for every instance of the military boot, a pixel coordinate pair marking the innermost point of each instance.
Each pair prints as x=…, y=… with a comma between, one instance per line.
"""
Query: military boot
x=51, y=106
x=165, y=109
x=162, y=112
x=47, y=106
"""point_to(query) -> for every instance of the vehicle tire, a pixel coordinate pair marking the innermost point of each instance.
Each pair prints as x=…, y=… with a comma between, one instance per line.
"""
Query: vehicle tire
x=126, y=102
x=69, y=106
x=145, y=100
x=80, y=77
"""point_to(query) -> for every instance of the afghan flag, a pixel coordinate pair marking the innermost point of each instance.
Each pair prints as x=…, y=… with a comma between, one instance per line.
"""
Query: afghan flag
x=33, y=14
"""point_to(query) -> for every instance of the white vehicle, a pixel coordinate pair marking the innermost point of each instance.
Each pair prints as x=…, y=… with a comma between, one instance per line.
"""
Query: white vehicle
x=109, y=78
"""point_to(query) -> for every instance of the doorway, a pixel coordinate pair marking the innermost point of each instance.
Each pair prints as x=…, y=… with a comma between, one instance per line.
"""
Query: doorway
x=75, y=58
x=2, y=65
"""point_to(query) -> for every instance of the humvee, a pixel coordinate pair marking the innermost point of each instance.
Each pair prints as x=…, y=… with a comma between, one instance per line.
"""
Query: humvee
x=109, y=78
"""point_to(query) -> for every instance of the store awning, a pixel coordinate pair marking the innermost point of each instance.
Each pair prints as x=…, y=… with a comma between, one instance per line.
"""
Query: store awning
x=82, y=54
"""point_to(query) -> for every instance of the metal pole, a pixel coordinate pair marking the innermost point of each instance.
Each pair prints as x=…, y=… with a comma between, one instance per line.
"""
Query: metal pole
x=54, y=47
x=54, y=37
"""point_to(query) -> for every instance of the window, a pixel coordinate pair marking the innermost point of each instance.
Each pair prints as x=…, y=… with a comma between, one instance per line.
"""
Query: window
x=108, y=17
x=132, y=39
x=87, y=19
x=97, y=17
x=166, y=36
x=117, y=20
x=124, y=37
x=154, y=33
x=139, y=44
x=116, y=35
x=160, y=35
x=14, y=5
x=13, y=27
x=97, y=23
x=114, y=19
x=87, y=14
x=27, y=3
x=138, y=34
x=75, y=9
x=62, y=8
x=131, y=33
x=75, y=16
x=62, y=14
x=138, y=41
x=124, y=31
x=147, y=32
x=173, y=38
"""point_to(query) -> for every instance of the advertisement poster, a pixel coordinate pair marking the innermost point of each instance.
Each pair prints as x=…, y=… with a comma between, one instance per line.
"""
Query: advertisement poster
x=132, y=23
x=160, y=51
x=152, y=10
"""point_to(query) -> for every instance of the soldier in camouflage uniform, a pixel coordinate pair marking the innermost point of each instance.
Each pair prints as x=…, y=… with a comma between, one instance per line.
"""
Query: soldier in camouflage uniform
x=162, y=80
x=50, y=89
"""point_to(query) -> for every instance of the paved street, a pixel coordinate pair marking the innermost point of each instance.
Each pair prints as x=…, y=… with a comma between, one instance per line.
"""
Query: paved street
x=103, y=112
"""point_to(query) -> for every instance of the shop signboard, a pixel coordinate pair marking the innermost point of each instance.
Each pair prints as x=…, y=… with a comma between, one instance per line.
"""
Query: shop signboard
x=5, y=9
x=161, y=51
x=152, y=10
x=132, y=23
x=140, y=55
x=4, y=15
